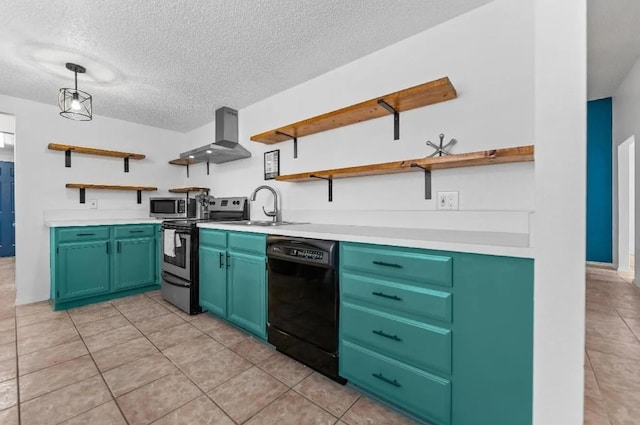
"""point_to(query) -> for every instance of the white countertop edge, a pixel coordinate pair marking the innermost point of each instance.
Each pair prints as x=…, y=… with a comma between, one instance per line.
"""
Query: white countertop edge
x=473, y=248
x=100, y=222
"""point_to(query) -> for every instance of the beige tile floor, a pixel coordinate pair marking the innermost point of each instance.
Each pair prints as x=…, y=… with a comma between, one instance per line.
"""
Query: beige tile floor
x=139, y=360
x=612, y=362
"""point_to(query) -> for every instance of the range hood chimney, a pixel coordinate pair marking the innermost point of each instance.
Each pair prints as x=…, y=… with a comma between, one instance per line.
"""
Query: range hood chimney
x=225, y=147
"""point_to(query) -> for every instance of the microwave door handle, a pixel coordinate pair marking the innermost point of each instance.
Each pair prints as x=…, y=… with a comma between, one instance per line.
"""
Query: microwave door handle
x=174, y=281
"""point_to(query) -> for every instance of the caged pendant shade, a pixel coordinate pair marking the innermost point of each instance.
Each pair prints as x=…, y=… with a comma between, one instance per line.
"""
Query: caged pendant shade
x=75, y=104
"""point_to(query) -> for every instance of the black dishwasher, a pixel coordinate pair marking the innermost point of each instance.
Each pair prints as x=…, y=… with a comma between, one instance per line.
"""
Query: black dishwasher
x=303, y=301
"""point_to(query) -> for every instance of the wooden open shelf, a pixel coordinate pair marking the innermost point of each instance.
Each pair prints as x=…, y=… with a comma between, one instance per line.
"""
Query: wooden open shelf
x=189, y=189
x=182, y=161
x=67, y=149
x=84, y=186
x=471, y=159
x=403, y=100
x=94, y=151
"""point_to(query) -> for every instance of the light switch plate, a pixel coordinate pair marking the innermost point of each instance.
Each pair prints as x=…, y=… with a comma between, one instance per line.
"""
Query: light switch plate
x=447, y=200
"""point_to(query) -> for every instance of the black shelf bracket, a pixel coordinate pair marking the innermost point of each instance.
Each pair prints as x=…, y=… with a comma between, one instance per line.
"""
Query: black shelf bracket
x=139, y=196
x=207, y=168
x=427, y=180
x=187, y=169
x=295, y=142
x=67, y=158
x=396, y=118
x=126, y=164
x=82, y=195
x=330, y=180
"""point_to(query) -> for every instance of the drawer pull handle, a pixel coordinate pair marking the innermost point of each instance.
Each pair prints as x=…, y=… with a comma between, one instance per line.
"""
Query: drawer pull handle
x=86, y=234
x=383, y=295
x=382, y=263
x=386, y=335
x=136, y=231
x=387, y=380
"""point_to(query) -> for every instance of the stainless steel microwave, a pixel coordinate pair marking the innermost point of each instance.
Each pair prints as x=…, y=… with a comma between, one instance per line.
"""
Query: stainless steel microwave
x=172, y=208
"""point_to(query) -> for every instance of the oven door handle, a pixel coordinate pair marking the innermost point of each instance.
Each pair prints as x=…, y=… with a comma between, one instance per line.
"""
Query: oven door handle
x=166, y=277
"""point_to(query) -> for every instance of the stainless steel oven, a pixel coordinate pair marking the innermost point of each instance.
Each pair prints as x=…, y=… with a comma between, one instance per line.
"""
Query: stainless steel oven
x=180, y=264
x=172, y=207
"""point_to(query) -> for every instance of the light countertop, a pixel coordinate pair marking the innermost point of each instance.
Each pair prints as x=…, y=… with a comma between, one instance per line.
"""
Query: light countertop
x=489, y=243
x=100, y=222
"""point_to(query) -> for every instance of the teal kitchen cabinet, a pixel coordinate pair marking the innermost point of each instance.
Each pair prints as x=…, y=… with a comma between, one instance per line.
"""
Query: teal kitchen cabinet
x=233, y=279
x=446, y=337
x=83, y=269
x=135, y=259
x=246, y=299
x=97, y=263
x=213, y=280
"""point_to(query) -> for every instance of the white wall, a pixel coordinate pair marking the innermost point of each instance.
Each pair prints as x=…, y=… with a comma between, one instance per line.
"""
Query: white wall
x=560, y=219
x=632, y=191
x=493, y=75
x=41, y=177
x=626, y=107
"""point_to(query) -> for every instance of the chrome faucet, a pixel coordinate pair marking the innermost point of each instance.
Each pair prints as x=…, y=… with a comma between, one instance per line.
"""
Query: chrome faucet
x=273, y=214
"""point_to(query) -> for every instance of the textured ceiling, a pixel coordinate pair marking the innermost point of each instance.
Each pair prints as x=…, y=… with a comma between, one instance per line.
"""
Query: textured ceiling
x=172, y=64
x=614, y=44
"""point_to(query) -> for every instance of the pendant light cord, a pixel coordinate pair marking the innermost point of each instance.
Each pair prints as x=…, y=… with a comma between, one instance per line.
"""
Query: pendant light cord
x=76, y=73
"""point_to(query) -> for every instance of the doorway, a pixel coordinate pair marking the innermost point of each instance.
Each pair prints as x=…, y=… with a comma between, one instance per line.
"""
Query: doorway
x=626, y=204
x=7, y=186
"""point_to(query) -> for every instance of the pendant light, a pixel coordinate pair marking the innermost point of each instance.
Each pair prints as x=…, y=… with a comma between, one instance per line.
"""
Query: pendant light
x=75, y=104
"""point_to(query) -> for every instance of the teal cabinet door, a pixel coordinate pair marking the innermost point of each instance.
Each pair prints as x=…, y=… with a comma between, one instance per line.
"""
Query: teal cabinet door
x=82, y=269
x=247, y=292
x=135, y=263
x=213, y=280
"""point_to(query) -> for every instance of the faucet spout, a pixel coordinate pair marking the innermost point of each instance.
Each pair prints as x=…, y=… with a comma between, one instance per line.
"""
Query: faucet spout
x=273, y=214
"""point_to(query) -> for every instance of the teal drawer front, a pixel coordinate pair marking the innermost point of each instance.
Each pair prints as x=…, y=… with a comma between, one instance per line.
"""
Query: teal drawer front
x=397, y=297
x=400, y=264
x=134, y=231
x=80, y=234
x=418, y=392
x=213, y=238
x=253, y=243
x=419, y=344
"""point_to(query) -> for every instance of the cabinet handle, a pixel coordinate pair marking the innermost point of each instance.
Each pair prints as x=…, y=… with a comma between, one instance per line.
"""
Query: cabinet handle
x=228, y=261
x=86, y=234
x=386, y=335
x=382, y=263
x=391, y=297
x=387, y=380
x=136, y=231
x=119, y=247
x=221, y=256
x=107, y=248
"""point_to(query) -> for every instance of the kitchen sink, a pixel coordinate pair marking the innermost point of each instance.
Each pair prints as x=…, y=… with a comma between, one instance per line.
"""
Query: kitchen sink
x=261, y=223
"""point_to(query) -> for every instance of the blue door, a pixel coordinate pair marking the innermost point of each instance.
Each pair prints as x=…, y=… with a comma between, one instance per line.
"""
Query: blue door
x=7, y=211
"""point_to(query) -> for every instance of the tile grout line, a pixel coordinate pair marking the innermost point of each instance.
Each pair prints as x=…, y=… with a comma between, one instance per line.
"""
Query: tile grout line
x=606, y=410
x=101, y=377
x=171, y=361
x=289, y=388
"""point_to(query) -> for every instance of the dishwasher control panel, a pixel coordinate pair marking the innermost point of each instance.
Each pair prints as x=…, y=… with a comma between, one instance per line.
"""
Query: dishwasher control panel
x=302, y=250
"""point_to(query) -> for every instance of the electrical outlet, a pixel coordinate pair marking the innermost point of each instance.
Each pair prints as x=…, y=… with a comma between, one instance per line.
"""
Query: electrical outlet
x=93, y=204
x=447, y=200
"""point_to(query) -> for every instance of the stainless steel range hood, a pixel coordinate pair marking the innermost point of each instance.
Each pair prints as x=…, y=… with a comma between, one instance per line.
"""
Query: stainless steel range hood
x=225, y=148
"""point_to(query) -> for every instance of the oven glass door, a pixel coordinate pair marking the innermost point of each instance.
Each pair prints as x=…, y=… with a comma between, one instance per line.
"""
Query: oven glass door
x=180, y=265
x=302, y=302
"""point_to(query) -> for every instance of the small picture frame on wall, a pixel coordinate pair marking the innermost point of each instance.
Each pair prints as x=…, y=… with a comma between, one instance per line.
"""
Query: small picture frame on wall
x=271, y=164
